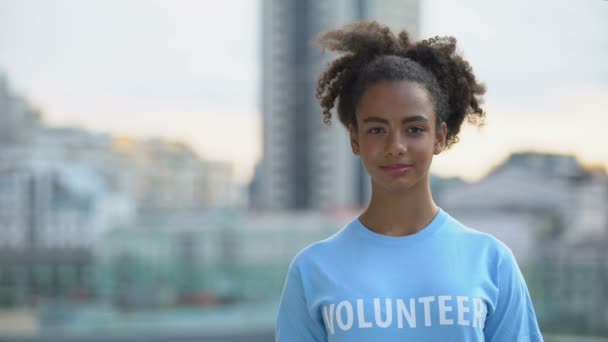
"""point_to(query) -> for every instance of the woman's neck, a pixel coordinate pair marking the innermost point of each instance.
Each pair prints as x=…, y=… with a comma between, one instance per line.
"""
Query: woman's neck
x=400, y=213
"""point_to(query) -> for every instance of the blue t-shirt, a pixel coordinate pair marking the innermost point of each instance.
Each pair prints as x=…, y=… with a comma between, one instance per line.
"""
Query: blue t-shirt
x=447, y=282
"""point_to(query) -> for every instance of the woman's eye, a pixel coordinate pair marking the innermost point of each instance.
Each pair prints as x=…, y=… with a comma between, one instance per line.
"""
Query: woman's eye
x=375, y=130
x=415, y=130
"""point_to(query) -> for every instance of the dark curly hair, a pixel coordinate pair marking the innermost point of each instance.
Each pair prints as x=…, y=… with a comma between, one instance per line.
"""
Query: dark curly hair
x=372, y=54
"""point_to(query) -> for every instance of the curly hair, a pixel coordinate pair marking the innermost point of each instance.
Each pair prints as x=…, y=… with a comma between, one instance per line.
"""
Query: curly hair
x=371, y=53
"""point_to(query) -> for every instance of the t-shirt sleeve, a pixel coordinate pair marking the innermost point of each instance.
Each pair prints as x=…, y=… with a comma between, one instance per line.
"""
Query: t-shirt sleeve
x=294, y=322
x=513, y=318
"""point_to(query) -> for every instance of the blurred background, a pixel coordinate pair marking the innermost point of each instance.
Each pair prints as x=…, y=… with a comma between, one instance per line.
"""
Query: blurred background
x=161, y=162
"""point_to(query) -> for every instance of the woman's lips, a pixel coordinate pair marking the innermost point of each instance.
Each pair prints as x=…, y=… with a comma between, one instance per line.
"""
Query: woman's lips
x=396, y=169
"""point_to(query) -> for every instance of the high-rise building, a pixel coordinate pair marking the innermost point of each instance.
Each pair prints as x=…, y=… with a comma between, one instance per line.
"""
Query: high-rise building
x=307, y=165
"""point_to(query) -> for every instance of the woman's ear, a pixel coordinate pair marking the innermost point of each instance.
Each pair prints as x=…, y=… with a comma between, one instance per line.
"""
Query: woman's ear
x=441, y=138
x=354, y=140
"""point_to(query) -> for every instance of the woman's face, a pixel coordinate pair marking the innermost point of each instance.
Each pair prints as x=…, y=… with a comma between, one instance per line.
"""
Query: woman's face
x=396, y=134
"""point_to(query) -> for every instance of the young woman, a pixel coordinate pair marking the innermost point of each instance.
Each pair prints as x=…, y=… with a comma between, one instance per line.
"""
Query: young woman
x=404, y=270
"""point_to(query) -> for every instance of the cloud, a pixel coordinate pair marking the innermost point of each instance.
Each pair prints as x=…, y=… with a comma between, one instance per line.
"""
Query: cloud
x=188, y=51
x=527, y=52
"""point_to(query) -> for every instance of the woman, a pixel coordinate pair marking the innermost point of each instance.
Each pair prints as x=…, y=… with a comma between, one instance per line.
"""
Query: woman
x=404, y=270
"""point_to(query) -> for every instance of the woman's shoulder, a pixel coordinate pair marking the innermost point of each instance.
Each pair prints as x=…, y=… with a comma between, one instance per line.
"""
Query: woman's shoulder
x=476, y=237
x=322, y=249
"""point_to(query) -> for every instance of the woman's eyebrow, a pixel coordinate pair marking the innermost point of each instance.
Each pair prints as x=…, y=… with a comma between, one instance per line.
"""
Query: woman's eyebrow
x=405, y=120
x=375, y=119
x=414, y=118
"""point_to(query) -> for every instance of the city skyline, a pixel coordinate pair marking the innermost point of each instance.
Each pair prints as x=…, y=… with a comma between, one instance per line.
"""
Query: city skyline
x=191, y=72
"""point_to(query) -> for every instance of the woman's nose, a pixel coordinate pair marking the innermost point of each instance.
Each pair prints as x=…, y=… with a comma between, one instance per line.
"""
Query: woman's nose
x=395, y=145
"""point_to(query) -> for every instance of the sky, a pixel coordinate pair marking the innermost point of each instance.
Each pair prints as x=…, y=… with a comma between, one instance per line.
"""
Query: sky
x=190, y=71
